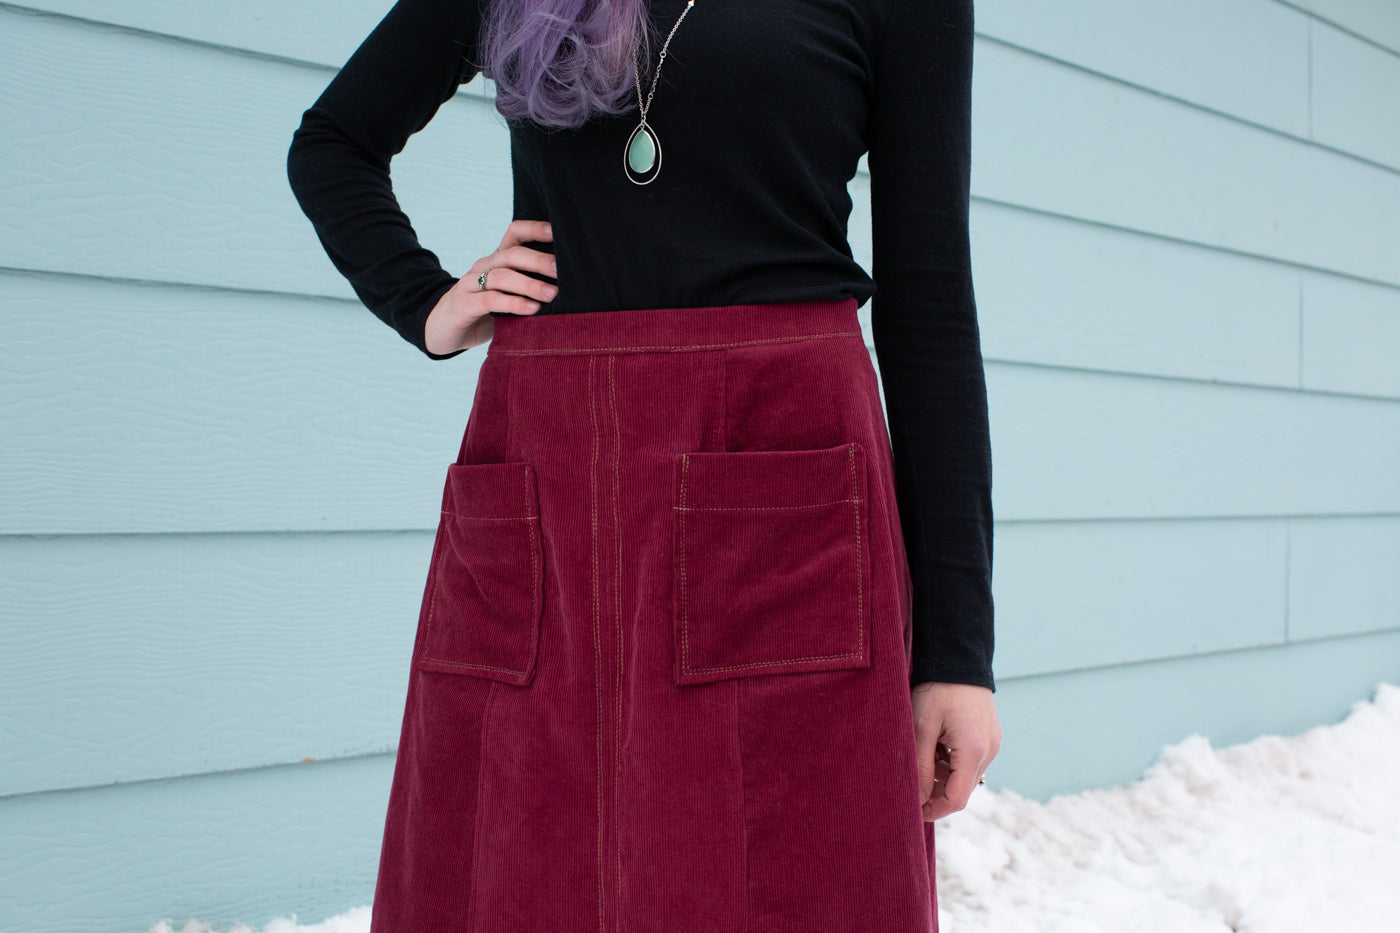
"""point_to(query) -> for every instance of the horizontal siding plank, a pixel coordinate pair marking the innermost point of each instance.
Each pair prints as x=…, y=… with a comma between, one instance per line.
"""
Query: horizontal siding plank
x=118, y=426
x=247, y=846
x=132, y=408
x=1248, y=57
x=1091, y=594
x=1351, y=336
x=1355, y=87
x=300, y=31
x=184, y=654
x=1071, y=444
x=179, y=170
x=1056, y=139
x=1066, y=732
x=1377, y=20
x=1053, y=290
x=1342, y=576
x=1058, y=292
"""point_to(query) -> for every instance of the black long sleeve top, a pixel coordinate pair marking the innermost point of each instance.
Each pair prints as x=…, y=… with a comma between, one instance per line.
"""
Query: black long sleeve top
x=763, y=111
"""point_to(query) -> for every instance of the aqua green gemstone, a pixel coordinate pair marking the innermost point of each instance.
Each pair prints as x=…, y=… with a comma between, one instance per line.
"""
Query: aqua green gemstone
x=641, y=152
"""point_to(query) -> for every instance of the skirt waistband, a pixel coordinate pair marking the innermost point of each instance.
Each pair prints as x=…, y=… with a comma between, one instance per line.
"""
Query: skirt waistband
x=673, y=329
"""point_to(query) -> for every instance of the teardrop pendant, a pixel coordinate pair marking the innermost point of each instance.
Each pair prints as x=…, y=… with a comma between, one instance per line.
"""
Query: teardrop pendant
x=641, y=159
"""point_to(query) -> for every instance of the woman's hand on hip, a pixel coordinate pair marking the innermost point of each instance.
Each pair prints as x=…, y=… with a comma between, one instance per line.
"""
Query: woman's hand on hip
x=460, y=319
x=956, y=735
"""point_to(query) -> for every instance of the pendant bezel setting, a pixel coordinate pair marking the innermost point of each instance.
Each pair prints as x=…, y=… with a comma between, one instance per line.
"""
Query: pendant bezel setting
x=648, y=176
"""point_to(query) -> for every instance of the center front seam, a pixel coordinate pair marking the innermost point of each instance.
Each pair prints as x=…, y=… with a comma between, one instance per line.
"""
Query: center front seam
x=617, y=634
x=601, y=841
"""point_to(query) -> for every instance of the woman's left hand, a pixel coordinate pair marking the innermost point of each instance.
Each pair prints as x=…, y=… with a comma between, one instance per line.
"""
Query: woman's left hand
x=956, y=735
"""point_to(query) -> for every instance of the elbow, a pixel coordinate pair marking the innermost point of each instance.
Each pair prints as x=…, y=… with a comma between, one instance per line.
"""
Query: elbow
x=296, y=161
x=313, y=157
x=300, y=158
x=322, y=152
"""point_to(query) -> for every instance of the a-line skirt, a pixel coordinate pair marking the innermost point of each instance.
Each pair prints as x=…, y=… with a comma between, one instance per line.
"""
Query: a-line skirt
x=660, y=679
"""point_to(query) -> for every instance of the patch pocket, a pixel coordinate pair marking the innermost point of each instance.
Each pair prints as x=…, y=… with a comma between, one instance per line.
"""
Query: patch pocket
x=771, y=563
x=486, y=583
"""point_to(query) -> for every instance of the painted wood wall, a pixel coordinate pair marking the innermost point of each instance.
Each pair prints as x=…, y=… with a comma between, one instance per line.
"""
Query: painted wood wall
x=1188, y=273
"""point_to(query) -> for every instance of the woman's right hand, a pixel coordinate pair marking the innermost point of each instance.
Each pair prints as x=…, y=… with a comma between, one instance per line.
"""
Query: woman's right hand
x=461, y=320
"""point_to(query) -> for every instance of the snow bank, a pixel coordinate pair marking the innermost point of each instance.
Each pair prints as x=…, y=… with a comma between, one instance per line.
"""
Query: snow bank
x=352, y=921
x=1275, y=835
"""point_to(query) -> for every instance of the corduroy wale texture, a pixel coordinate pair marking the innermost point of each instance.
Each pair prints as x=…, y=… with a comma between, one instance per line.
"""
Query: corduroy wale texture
x=660, y=680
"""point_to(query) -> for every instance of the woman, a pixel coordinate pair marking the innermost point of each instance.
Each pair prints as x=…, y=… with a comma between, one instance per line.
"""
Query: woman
x=705, y=644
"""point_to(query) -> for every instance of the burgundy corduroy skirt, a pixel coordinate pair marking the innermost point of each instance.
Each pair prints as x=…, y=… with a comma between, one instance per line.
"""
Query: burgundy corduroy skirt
x=660, y=680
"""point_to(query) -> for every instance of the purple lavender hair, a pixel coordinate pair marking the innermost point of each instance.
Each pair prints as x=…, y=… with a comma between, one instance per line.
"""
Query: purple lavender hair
x=558, y=62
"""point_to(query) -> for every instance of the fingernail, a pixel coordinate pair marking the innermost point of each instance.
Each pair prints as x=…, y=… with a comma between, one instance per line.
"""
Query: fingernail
x=550, y=291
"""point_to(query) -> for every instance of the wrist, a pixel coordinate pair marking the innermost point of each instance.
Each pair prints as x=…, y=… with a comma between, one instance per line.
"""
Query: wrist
x=443, y=335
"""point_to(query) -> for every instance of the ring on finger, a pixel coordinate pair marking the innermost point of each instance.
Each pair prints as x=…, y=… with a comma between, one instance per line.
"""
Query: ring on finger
x=481, y=280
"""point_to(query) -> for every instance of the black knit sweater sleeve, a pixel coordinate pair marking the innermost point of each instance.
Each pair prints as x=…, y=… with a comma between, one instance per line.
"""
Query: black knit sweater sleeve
x=924, y=325
x=338, y=162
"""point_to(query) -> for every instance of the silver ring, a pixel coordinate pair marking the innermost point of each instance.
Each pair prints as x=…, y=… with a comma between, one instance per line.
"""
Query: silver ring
x=481, y=280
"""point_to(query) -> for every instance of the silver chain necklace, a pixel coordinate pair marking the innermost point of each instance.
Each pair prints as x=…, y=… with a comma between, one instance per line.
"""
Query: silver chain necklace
x=641, y=157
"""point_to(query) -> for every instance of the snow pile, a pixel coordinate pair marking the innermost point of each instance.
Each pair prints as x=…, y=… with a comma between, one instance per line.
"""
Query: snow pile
x=1276, y=835
x=352, y=921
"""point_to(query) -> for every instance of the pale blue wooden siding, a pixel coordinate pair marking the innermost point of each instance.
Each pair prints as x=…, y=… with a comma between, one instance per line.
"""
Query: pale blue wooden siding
x=221, y=473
